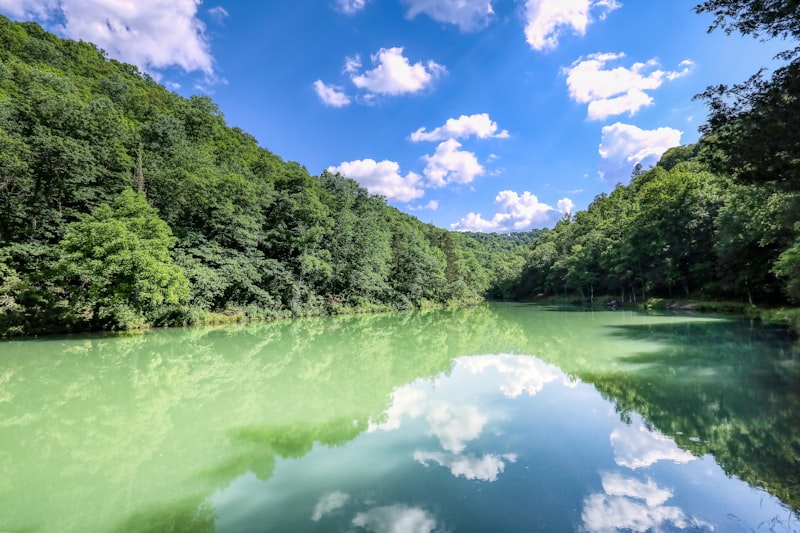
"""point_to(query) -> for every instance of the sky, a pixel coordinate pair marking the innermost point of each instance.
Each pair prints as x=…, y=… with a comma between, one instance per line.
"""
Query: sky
x=479, y=115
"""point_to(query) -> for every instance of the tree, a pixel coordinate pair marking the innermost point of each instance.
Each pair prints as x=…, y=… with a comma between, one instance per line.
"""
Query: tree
x=767, y=18
x=788, y=267
x=117, y=261
x=750, y=132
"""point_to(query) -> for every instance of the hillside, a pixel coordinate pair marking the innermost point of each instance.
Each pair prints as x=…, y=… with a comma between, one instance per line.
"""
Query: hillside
x=126, y=205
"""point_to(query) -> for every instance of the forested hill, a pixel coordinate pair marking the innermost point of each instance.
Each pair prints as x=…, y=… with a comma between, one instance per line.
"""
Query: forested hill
x=720, y=219
x=123, y=204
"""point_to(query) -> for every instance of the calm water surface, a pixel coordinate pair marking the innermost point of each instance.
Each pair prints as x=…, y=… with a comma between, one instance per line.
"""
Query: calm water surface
x=497, y=418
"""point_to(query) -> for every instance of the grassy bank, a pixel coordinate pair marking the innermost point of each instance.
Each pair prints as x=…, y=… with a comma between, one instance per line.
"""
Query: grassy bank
x=788, y=316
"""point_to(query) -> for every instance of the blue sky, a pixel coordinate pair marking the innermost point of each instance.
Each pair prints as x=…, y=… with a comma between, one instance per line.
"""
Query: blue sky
x=484, y=115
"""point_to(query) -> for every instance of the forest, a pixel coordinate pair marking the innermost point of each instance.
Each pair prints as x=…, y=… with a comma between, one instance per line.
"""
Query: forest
x=716, y=220
x=124, y=205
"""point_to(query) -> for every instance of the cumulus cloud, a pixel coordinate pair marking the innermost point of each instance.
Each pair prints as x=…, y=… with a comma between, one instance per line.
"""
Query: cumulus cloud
x=630, y=504
x=547, y=20
x=565, y=205
x=518, y=374
x=455, y=425
x=394, y=74
x=617, y=90
x=331, y=95
x=328, y=503
x=515, y=212
x=406, y=401
x=624, y=145
x=479, y=125
x=38, y=9
x=382, y=178
x=396, y=518
x=451, y=165
x=638, y=447
x=433, y=205
x=486, y=468
x=468, y=15
x=350, y=7
x=151, y=34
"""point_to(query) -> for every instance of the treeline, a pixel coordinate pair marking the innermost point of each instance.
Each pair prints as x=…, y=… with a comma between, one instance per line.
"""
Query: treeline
x=676, y=230
x=124, y=205
x=719, y=219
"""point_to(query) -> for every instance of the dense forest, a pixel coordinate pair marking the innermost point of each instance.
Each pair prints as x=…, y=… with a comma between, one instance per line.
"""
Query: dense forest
x=719, y=219
x=124, y=205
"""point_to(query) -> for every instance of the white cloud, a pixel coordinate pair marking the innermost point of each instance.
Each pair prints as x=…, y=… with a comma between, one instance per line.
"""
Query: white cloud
x=455, y=425
x=451, y=165
x=546, y=20
x=433, y=205
x=406, y=401
x=352, y=64
x=617, y=90
x=468, y=15
x=637, y=447
x=38, y=9
x=396, y=519
x=329, y=503
x=565, y=205
x=394, y=74
x=464, y=126
x=382, y=178
x=629, y=504
x=219, y=13
x=331, y=95
x=350, y=7
x=518, y=374
x=515, y=213
x=486, y=468
x=152, y=34
x=624, y=145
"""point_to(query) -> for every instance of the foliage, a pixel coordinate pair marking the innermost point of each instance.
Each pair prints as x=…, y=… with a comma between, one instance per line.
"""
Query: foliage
x=116, y=262
x=233, y=229
x=675, y=230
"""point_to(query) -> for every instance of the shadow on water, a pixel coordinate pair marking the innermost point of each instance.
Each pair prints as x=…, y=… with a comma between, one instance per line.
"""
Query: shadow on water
x=720, y=388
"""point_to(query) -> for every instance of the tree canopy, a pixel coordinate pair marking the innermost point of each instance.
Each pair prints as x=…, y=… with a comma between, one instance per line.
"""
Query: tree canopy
x=219, y=224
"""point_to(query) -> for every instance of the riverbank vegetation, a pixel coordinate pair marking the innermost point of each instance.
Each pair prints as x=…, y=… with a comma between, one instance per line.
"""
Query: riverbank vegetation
x=717, y=220
x=123, y=205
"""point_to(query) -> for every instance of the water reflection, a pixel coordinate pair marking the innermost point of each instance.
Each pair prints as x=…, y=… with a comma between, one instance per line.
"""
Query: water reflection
x=485, y=468
x=373, y=422
x=329, y=503
x=637, y=446
x=396, y=519
x=632, y=505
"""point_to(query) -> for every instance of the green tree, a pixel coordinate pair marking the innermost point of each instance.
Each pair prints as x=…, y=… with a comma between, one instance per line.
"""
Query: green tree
x=117, y=263
x=788, y=268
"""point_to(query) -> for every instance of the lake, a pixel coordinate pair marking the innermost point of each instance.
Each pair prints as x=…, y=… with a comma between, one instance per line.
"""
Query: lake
x=507, y=417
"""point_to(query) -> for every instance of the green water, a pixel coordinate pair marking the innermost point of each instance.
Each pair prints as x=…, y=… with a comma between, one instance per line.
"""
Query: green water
x=496, y=418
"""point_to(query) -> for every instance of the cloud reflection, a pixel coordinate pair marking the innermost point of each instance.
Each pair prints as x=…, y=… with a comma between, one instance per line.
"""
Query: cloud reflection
x=630, y=504
x=329, y=503
x=485, y=468
x=519, y=374
x=455, y=425
x=638, y=447
x=396, y=519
